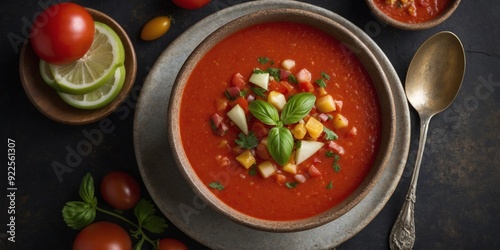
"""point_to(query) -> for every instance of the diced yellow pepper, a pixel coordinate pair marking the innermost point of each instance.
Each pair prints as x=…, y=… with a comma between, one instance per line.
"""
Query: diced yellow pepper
x=246, y=159
x=325, y=104
x=290, y=168
x=266, y=169
x=299, y=131
x=339, y=121
x=314, y=127
x=276, y=99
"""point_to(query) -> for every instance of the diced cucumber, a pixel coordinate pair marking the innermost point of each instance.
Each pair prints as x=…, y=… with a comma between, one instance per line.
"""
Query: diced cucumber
x=237, y=115
x=260, y=79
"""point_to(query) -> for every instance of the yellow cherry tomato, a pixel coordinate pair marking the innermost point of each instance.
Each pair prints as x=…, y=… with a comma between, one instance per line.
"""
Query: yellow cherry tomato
x=155, y=28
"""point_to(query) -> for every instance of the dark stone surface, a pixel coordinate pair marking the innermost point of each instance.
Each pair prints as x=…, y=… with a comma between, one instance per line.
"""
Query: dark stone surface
x=459, y=187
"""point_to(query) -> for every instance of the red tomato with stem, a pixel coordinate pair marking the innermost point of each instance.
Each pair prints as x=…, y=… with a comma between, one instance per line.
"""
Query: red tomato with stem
x=191, y=4
x=62, y=33
x=120, y=190
x=102, y=236
x=171, y=244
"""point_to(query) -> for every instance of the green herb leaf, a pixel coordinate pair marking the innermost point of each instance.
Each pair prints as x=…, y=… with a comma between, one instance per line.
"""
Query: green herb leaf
x=330, y=135
x=275, y=73
x=78, y=214
x=264, y=60
x=291, y=184
x=336, y=167
x=264, y=111
x=337, y=158
x=259, y=91
x=321, y=82
x=87, y=190
x=280, y=144
x=329, y=153
x=216, y=185
x=247, y=141
x=292, y=79
x=144, y=211
x=330, y=185
x=325, y=75
x=252, y=171
x=297, y=107
x=298, y=144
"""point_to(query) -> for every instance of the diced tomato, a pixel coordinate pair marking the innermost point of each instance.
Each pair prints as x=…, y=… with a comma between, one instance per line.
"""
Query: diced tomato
x=306, y=86
x=336, y=148
x=262, y=152
x=238, y=81
x=259, y=129
x=278, y=87
x=233, y=92
x=280, y=178
x=222, y=161
x=288, y=86
x=303, y=76
x=313, y=171
x=242, y=102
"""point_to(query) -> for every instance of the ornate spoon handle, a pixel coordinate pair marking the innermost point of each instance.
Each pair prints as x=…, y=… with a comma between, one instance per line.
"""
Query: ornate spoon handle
x=403, y=232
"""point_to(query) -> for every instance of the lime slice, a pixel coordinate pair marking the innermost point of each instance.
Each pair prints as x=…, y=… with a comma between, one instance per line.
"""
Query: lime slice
x=96, y=67
x=99, y=97
x=47, y=75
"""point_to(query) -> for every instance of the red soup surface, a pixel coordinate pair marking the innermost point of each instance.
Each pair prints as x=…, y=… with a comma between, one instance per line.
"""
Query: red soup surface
x=412, y=11
x=239, y=168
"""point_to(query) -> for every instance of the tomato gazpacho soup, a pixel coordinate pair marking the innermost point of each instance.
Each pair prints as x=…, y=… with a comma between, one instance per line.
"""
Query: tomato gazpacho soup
x=280, y=121
x=412, y=11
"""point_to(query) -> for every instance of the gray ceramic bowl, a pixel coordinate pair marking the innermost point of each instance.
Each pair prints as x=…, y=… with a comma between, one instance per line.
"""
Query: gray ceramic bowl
x=448, y=10
x=342, y=34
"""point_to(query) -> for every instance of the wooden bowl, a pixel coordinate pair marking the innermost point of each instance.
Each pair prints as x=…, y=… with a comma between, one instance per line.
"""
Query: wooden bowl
x=448, y=10
x=348, y=39
x=46, y=99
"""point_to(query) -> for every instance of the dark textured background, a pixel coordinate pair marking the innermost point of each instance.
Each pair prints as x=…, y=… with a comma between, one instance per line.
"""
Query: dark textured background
x=459, y=187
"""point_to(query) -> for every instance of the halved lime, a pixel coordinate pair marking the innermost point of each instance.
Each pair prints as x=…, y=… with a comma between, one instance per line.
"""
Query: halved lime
x=101, y=96
x=47, y=75
x=96, y=67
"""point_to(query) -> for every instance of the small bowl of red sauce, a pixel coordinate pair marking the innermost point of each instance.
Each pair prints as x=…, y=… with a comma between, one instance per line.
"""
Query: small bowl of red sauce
x=281, y=120
x=413, y=14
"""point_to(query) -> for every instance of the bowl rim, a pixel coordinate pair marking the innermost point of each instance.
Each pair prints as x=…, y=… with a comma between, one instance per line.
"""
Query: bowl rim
x=445, y=14
x=354, y=44
x=46, y=99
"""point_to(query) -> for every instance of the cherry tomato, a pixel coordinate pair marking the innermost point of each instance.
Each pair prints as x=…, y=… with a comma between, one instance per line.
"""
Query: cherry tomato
x=102, y=236
x=155, y=28
x=191, y=4
x=171, y=244
x=120, y=190
x=62, y=33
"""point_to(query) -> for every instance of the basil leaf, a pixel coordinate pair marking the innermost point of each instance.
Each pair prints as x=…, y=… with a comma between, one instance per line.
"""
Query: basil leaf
x=297, y=107
x=78, y=214
x=264, y=111
x=280, y=144
x=87, y=190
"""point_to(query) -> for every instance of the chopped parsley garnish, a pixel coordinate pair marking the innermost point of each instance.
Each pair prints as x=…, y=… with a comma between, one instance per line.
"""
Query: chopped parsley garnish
x=292, y=79
x=321, y=82
x=259, y=91
x=275, y=73
x=336, y=167
x=330, y=135
x=325, y=76
x=265, y=60
x=298, y=144
x=247, y=141
x=330, y=185
x=329, y=153
x=216, y=185
x=291, y=184
x=252, y=171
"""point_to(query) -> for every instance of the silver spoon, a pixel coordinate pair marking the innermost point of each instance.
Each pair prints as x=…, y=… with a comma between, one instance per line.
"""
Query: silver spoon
x=432, y=83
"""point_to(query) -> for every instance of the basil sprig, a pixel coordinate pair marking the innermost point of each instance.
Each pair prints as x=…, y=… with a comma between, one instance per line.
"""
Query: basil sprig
x=280, y=139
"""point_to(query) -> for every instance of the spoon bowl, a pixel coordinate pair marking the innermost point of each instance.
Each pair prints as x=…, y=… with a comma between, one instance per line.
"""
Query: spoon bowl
x=435, y=73
x=432, y=83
